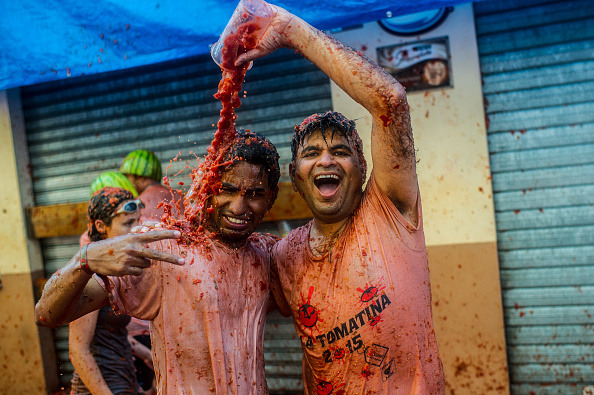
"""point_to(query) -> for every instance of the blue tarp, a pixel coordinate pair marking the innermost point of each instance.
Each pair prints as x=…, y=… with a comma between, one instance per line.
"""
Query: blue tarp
x=45, y=40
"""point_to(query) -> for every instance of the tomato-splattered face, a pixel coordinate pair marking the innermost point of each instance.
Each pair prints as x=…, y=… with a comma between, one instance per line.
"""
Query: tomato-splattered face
x=122, y=223
x=328, y=174
x=241, y=204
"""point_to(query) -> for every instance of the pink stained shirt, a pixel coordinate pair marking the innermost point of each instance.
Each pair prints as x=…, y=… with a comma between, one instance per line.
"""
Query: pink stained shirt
x=363, y=311
x=207, y=316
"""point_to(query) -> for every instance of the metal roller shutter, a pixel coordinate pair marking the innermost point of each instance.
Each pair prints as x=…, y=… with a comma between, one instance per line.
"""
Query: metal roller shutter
x=537, y=60
x=81, y=127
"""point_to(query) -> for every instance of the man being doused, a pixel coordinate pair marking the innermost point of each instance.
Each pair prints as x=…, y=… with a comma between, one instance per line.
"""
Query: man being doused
x=355, y=279
x=208, y=309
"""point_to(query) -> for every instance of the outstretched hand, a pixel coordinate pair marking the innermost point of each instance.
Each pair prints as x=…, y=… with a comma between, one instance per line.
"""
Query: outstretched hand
x=129, y=254
x=274, y=37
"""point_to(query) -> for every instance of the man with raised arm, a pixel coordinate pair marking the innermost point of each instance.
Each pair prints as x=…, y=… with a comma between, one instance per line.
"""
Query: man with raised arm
x=355, y=279
x=208, y=309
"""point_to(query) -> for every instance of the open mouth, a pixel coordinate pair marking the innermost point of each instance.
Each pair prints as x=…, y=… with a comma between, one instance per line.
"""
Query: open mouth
x=234, y=222
x=327, y=184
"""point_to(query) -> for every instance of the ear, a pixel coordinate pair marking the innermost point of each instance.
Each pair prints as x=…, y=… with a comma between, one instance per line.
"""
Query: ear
x=292, y=174
x=101, y=227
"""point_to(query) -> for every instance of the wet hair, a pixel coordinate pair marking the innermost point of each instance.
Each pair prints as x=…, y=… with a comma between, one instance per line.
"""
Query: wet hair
x=256, y=149
x=334, y=121
x=103, y=205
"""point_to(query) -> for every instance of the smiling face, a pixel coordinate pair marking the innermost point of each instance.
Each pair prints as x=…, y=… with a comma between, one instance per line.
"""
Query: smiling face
x=329, y=176
x=244, y=199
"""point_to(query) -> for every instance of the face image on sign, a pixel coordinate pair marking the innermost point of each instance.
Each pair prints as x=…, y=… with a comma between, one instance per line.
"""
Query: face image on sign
x=435, y=72
x=419, y=65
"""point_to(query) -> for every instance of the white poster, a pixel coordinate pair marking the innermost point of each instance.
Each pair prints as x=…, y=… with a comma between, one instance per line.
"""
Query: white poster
x=419, y=65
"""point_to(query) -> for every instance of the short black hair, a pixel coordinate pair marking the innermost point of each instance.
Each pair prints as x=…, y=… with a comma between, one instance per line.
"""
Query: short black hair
x=103, y=205
x=256, y=149
x=328, y=120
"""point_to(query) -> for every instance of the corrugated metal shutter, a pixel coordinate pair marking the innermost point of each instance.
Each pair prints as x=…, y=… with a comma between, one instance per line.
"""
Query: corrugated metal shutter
x=537, y=60
x=78, y=128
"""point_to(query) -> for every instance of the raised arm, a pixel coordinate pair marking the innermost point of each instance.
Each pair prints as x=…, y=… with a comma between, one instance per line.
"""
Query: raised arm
x=71, y=292
x=392, y=147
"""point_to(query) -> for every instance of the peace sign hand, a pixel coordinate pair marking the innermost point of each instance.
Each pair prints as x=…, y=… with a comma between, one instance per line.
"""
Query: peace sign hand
x=129, y=254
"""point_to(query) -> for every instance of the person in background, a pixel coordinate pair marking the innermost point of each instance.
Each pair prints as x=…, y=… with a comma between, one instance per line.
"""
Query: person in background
x=107, y=179
x=355, y=279
x=144, y=171
x=99, y=347
x=138, y=330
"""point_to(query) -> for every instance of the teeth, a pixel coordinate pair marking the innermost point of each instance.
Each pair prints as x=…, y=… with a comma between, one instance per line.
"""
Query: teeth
x=330, y=176
x=236, y=221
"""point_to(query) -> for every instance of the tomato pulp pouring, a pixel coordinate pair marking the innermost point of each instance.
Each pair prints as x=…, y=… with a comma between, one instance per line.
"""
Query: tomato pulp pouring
x=206, y=178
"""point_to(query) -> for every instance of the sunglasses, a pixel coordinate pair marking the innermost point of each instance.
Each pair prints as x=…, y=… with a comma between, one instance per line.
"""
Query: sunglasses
x=130, y=207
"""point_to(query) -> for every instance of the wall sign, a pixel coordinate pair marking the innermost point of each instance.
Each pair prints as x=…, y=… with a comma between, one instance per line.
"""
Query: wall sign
x=418, y=65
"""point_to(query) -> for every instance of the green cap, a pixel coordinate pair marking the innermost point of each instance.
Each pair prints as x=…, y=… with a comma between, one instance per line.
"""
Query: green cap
x=142, y=163
x=112, y=179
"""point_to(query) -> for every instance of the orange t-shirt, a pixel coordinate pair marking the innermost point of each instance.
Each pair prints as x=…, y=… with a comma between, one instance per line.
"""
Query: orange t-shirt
x=207, y=316
x=363, y=310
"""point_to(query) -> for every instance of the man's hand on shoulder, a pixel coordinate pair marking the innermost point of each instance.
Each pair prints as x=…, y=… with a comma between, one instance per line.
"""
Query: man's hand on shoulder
x=129, y=254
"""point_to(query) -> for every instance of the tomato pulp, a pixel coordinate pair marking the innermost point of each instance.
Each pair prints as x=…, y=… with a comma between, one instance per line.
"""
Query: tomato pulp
x=206, y=178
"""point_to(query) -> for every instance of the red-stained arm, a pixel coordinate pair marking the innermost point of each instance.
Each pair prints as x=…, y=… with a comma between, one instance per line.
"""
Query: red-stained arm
x=71, y=293
x=393, y=155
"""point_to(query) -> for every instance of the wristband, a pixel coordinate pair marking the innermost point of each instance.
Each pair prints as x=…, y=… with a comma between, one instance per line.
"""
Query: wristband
x=84, y=263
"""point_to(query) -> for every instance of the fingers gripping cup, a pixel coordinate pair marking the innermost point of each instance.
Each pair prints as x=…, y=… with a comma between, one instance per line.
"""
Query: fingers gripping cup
x=243, y=31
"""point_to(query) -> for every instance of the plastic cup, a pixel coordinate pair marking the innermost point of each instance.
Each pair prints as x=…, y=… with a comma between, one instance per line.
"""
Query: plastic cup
x=247, y=11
